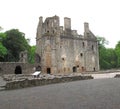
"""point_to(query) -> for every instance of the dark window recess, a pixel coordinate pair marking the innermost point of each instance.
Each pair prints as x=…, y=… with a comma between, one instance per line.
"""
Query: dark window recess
x=53, y=31
x=83, y=44
x=21, y=55
x=92, y=47
x=0, y=69
x=81, y=54
x=47, y=23
x=63, y=59
x=37, y=58
x=74, y=69
x=48, y=71
x=38, y=68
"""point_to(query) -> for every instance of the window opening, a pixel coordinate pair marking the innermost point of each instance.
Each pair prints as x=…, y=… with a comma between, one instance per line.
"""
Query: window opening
x=83, y=44
x=92, y=47
x=81, y=54
x=63, y=59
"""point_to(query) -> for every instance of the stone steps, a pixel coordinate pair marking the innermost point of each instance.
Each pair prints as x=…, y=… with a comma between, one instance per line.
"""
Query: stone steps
x=2, y=88
x=2, y=83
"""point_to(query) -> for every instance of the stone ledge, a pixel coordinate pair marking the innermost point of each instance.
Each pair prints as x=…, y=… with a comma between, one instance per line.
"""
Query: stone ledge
x=117, y=76
x=17, y=84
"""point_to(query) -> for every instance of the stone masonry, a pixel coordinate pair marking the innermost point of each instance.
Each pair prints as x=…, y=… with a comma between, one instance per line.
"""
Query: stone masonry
x=63, y=50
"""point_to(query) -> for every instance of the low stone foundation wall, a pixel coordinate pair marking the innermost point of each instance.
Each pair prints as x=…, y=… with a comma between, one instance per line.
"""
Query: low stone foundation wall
x=117, y=76
x=43, y=81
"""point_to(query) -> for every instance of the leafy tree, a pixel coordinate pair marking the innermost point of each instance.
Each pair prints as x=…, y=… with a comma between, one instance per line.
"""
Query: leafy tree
x=15, y=42
x=102, y=52
x=117, y=50
x=102, y=41
x=31, y=54
x=111, y=57
x=107, y=56
x=3, y=50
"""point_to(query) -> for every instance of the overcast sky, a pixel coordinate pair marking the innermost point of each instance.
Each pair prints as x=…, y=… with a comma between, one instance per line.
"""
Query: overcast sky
x=103, y=16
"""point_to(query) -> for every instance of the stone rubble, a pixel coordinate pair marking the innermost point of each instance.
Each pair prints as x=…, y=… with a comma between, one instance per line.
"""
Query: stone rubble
x=22, y=81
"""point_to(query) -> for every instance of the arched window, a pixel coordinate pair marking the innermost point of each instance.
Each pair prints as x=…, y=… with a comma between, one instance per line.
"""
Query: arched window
x=37, y=58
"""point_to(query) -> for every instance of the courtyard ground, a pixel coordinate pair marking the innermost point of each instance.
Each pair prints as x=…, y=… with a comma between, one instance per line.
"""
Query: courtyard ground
x=87, y=94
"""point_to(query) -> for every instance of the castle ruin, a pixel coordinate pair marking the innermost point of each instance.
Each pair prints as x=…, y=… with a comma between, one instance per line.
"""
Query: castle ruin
x=62, y=50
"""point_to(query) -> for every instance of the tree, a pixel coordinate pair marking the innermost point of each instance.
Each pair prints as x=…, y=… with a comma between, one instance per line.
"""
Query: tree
x=117, y=50
x=111, y=57
x=102, y=52
x=31, y=54
x=107, y=56
x=15, y=42
x=102, y=41
x=3, y=50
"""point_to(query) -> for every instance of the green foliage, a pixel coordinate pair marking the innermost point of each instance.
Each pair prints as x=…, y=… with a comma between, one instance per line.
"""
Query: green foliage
x=117, y=50
x=3, y=52
x=12, y=42
x=15, y=42
x=107, y=56
x=102, y=41
x=111, y=58
x=31, y=54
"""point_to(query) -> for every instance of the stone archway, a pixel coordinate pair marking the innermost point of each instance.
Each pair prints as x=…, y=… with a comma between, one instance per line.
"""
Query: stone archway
x=38, y=68
x=18, y=70
x=37, y=58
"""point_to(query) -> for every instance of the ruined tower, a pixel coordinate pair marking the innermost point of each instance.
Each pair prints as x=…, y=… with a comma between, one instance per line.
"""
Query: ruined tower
x=63, y=50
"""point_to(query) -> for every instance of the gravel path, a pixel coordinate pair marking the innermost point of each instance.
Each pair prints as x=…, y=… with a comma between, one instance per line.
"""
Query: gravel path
x=87, y=94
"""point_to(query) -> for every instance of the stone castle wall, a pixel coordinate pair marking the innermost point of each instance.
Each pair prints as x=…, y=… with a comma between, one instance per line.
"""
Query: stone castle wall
x=63, y=50
x=15, y=67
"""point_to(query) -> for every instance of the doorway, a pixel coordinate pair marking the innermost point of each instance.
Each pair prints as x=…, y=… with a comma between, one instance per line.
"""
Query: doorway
x=83, y=69
x=18, y=70
x=48, y=71
x=74, y=69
